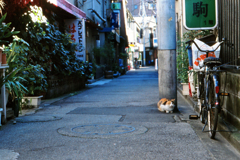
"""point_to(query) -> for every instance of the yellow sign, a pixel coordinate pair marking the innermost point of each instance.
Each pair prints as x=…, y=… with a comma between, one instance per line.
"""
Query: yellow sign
x=131, y=45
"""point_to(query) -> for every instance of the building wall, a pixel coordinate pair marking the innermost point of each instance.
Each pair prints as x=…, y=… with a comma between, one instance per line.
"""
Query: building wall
x=99, y=6
x=179, y=19
x=229, y=83
x=91, y=34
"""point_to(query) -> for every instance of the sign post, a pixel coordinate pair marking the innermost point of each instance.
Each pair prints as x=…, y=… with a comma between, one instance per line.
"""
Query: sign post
x=200, y=14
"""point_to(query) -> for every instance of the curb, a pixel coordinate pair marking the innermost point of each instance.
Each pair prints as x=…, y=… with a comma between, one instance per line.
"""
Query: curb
x=232, y=137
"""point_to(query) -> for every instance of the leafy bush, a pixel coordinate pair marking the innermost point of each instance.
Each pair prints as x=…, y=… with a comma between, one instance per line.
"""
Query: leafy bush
x=46, y=51
x=41, y=51
x=108, y=51
x=31, y=76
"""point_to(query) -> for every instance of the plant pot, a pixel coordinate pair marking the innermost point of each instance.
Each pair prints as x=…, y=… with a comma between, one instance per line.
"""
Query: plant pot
x=5, y=97
x=16, y=107
x=109, y=74
x=4, y=59
x=34, y=101
x=116, y=74
x=185, y=90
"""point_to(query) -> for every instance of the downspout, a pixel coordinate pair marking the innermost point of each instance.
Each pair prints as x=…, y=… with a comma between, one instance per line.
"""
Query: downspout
x=103, y=9
x=93, y=10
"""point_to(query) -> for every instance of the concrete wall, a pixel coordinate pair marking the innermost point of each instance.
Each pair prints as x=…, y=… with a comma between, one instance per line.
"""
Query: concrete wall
x=90, y=40
x=179, y=18
x=230, y=82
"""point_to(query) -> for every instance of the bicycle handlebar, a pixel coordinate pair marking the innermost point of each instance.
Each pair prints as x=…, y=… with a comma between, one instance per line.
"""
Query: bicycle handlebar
x=207, y=51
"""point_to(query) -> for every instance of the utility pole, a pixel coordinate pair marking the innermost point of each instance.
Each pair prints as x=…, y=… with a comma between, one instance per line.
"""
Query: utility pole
x=142, y=13
x=167, y=74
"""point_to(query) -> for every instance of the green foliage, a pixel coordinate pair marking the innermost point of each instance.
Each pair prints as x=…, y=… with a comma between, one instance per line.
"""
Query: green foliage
x=46, y=51
x=41, y=51
x=116, y=68
x=11, y=80
x=29, y=75
x=49, y=47
x=15, y=79
x=35, y=79
x=87, y=69
x=190, y=35
x=123, y=56
x=97, y=53
x=182, y=62
x=5, y=31
x=108, y=51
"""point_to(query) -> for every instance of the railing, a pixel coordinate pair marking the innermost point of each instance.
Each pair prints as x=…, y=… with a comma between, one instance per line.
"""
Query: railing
x=229, y=28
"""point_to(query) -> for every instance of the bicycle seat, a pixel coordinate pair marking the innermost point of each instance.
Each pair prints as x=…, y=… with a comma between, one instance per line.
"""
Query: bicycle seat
x=211, y=60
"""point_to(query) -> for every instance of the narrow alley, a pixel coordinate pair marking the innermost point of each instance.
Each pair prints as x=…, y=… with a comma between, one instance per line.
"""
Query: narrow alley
x=113, y=119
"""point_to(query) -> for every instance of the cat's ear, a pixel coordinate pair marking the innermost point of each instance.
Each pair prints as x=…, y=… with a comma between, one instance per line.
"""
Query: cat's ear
x=172, y=100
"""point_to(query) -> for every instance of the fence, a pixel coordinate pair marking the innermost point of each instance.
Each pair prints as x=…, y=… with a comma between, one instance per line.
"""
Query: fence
x=229, y=28
x=58, y=87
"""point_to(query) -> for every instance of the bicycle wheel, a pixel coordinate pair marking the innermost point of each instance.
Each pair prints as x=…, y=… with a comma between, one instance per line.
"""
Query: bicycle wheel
x=212, y=107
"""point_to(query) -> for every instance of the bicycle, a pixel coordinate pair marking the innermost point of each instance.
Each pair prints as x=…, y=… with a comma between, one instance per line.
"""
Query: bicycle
x=208, y=86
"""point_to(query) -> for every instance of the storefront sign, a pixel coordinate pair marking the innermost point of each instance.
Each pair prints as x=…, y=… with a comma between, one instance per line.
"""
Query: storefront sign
x=77, y=31
x=116, y=6
x=200, y=14
x=155, y=42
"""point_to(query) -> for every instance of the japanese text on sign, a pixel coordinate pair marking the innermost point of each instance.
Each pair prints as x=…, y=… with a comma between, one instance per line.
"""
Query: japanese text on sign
x=200, y=14
x=76, y=30
x=200, y=8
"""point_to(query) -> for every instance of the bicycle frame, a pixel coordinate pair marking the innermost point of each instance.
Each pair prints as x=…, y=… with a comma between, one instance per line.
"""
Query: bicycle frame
x=209, y=92
x=215, y=80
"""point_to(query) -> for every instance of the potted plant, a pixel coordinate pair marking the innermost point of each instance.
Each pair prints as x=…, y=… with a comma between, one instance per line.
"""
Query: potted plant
x=116, y=70
x=109, y=53
x=28, y=79
x=14, y=74
x=12, y=80
x=87, y=71
x=36, y=83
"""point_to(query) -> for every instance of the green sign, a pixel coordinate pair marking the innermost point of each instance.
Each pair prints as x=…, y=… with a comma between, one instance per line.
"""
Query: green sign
x=200, y=14
x=116, y=6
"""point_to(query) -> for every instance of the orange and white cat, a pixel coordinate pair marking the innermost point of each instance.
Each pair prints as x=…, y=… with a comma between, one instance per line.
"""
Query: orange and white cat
x=166, y=105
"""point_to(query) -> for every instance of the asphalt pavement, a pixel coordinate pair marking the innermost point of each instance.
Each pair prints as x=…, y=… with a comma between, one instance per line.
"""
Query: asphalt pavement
x=112, y=119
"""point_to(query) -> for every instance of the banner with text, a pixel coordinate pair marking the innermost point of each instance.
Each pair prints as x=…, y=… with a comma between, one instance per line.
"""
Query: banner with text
x=76, y=28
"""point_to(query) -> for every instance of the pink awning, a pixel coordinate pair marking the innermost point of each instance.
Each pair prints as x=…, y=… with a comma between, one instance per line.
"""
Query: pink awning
x=70, y=8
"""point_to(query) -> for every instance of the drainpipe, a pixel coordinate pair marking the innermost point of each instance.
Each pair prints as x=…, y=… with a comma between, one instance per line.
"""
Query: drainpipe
x=93, y=10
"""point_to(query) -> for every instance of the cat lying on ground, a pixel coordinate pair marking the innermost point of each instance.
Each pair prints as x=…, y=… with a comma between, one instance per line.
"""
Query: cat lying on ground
x=166, y=105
